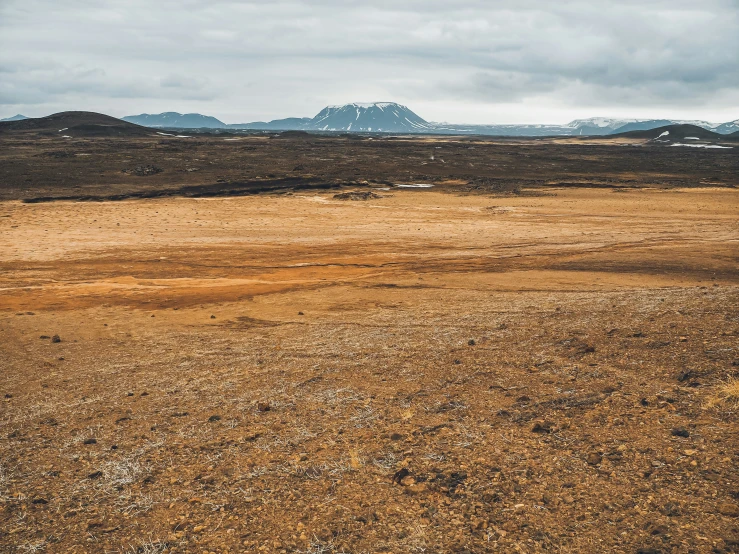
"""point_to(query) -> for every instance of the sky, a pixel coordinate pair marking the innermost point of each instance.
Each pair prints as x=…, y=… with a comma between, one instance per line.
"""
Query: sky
x=461, y=61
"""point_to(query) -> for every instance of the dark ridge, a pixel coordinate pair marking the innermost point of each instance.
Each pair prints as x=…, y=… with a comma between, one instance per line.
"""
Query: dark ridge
x=676, y=132
x=76, y=124
x=243, y=188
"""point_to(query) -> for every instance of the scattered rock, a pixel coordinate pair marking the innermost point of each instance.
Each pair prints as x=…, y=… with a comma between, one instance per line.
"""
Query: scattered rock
x=95, y=475
x=680, y=432
x=214, y=418
x=671, y=509
x=44, y=337
x=397, y=437
x=263, y=406
x=400, y=475
x=56, y=339
x=212, y=317
x=685, y=375
x=542, y=427
x=357, y=195
x=594, y=459
x=90, y=441
x=728, y=509
x=301, y=313
x=39, y=500
x=471, y=342
x=143, y=170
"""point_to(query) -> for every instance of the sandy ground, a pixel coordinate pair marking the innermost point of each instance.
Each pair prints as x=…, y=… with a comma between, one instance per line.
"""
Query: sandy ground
x=539, y=373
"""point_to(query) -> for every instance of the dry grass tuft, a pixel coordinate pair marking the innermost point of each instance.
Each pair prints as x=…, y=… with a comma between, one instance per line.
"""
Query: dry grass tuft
x=727, y=395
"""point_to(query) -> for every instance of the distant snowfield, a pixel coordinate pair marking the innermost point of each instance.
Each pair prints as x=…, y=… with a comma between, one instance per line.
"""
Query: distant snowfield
x=701, y=145
x=171, y=135
x=664, y=134
x=416, y=186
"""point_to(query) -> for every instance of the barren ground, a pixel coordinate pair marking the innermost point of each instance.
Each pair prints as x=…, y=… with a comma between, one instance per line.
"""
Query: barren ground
x=422, y=372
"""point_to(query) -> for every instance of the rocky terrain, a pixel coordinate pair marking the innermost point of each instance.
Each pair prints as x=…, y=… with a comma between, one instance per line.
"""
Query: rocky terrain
x=291, y=343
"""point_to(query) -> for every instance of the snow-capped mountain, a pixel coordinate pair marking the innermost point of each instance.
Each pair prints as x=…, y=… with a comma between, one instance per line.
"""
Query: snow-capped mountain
x=175, y=120
x=387, y=117
x=728, y=127
x=601, y=123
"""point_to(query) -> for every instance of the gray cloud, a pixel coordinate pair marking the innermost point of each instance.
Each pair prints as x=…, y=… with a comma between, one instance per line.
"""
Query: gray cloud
x=470, y=60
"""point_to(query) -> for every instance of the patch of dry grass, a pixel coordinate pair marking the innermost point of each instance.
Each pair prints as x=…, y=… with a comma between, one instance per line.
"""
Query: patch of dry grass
x=726, y=396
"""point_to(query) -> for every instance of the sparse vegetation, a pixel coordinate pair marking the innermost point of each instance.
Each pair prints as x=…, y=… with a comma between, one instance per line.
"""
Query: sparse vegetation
x=429, y=372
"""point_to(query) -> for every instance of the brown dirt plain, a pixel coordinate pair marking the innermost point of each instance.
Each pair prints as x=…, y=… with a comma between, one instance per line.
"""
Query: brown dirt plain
x=434, y=370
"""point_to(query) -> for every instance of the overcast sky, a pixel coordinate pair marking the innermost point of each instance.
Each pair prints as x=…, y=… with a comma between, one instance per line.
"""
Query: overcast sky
x=461, y=61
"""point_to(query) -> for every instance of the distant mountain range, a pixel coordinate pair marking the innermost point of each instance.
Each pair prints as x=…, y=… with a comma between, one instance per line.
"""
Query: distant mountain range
x=17, y=117
x=389, y=117
x=174, y=120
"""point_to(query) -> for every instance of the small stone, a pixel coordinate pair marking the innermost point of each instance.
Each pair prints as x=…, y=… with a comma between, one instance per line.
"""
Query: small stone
x=680, y=432
x=594, y=459
x=263, y=406
x=212, y=317
x=542, y=427
x=301, y=313
x=416, y=488
x=56, y=339
x=90, y=441
x=396, y=437
x=214, y=418
x=400, y=475
x=728, y=509
x=44, y=337
x=471, y=342
x=39, y=501
x=95, y=475
x=671, y=509
x=407, y=481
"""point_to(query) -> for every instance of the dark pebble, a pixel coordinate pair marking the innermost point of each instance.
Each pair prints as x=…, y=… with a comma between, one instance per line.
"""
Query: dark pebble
x=680, y=432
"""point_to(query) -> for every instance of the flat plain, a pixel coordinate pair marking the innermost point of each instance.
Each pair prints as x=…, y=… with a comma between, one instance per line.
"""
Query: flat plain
x=536, y=354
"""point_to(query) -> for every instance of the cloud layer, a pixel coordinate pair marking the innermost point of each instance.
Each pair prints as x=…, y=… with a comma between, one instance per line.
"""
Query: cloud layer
x=463, y=61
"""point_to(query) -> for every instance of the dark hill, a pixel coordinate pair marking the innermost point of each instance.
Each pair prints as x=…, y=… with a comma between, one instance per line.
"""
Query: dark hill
x=75, y=124
x=672, y=132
